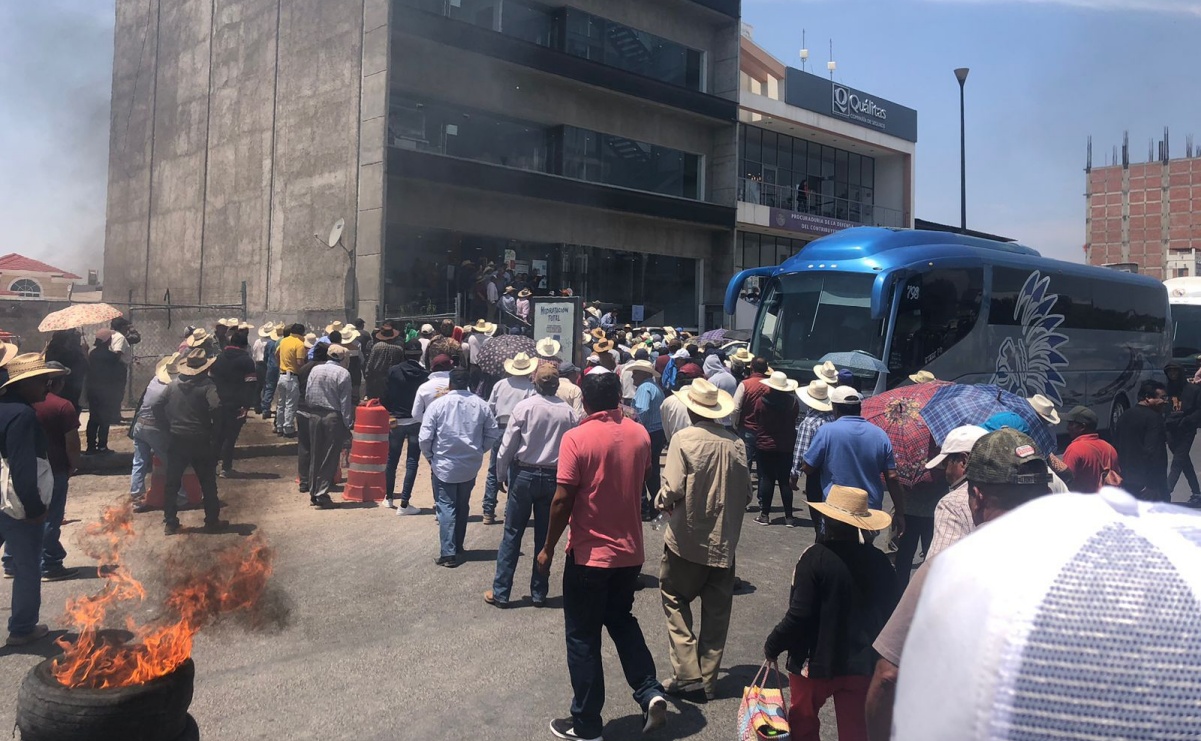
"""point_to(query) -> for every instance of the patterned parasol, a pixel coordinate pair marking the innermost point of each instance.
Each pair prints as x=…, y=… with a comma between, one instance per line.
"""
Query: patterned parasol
x=898, y=413
x=499, y=349
x=715, y=335
x=959, y=404
x=78, y=315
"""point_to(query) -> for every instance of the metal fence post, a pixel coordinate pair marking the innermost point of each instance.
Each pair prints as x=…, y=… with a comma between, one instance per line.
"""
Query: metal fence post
x=243, y=300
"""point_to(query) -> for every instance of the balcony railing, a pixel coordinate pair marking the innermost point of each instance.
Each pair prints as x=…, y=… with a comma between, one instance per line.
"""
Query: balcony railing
x=816, y=204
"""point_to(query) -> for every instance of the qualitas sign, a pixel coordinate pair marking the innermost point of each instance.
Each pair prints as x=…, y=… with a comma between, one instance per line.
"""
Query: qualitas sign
x=829, y=98
x=851, y=104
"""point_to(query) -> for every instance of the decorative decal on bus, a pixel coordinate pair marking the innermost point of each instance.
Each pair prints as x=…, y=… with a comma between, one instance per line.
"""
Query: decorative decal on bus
x=1030, y=364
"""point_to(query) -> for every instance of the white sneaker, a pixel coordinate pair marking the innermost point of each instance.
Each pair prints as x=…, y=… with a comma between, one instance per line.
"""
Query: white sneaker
x=408, y=509
x=655, y=715
x=389, y=503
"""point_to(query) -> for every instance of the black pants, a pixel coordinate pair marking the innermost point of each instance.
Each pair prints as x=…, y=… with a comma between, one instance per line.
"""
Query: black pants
x=97, y=433
x=200, y=453
x=596, y=598
x=654, y=474
x=260, y=370
x=229, y=423
x=319, y=458
x=775, y=467
x=1181, y=445
x=916, y=528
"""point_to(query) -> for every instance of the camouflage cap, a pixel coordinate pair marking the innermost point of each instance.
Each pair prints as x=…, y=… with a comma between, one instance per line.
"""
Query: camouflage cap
x=1006, y=457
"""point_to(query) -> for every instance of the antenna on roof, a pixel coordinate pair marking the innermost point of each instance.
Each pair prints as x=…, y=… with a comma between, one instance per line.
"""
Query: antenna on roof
x=1088, y=162
x=804, y=50
x=831, y=65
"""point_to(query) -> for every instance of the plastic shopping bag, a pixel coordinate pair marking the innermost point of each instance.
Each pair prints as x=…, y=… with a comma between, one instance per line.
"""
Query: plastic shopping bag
x=763, y=714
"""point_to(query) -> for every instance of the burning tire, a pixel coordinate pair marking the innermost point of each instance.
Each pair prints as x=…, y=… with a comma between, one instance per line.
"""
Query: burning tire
x=154, y=711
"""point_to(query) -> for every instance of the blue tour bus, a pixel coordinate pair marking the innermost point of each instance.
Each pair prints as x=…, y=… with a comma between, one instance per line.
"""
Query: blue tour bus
x=968, y=310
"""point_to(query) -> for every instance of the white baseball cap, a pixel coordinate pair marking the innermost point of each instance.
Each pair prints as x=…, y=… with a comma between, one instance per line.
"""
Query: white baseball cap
x=681, y=354
x=845, y=395
x=959, y=440
x=1095, y=633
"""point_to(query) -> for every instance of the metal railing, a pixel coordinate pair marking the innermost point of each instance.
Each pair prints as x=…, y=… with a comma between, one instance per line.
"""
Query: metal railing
x=816, y=204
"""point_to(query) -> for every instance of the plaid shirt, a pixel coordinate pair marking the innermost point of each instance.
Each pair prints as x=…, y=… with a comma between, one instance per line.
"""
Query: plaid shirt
x=329, y=387
x=805, y=430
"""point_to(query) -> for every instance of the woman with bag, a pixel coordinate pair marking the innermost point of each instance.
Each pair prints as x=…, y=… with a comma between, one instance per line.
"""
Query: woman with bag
x=843, y=592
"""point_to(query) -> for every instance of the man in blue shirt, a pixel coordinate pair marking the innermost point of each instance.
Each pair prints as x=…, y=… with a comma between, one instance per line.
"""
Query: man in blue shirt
x=648, y=398
x=456, y=430
x=24, y=448
x=850, y=451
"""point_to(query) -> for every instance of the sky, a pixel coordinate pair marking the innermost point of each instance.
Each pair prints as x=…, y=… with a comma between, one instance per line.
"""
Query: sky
x=1045, y=74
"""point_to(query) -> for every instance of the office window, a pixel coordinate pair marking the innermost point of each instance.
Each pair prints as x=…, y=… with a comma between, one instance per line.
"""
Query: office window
x=623, y=47
x=615, y=160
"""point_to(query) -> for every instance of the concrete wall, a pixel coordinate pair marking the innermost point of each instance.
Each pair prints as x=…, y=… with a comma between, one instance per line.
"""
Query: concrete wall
x=235, y=137
x=373, y=131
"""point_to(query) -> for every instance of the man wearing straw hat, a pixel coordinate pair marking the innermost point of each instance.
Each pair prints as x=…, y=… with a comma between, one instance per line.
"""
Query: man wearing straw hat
x=234, y=375
x=776, y=415
x=843, y=591
x=818, y=411
x=271, y=366
x=648, y=398
x=185, y=411
x=293, y=354
x=706, y=487
x=387, y=351
x=506, y=395
x=258, y=353
x=25, y=501
x=330, y=413
x=149, y=441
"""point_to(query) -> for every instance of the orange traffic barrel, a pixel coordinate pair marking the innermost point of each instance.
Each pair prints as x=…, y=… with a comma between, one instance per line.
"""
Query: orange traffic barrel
x=158, y=481
x=368, y=454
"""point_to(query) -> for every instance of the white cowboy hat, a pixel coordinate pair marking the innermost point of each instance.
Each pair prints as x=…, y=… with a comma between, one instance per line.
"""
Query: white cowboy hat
x=338, y=352
x=641, y=366
x=742, y=355
x=826, y=372
x=486, y=328
x=164, y=367
x=524, y=293
x=923, y=376
x=199, y=336
x=310, y=340
x=1045, y=408
x=267, y=329
x=816, y=396
x=593, y=311
x=548, y=347
x=780, y=382
x=195, y=363
x=521, y=365
x=334, y=327
x=848, y=504
x=706, y=400
x=244, y=325
x=349, y=334
x=28, y=365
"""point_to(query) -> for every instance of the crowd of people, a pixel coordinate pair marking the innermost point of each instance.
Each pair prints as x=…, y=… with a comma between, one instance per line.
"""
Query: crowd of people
x=658, y=426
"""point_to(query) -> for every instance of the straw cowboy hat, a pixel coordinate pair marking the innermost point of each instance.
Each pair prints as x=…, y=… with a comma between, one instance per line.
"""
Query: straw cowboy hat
x=28, y=365
x=848, y=504
x=244, y=325
x=742, y=355
x=310, y=340
x=196, y=362
x=350, y=333
x=548, y=347
x=816, y=396
x=593, y=312
x=227, y=323
x=164, y=367
x=1045, y=408
x=335, y=327
x=280, y=331
x=923, y=376
x=487, y=328
x=780, y=382
x=826, y=372
x=338, y=353
x=521, y=365
x=641, y=366
x=706, y=400
x=8, y=351
x=509, y=289
x=199, y=336
x=602, y=346
x=525, y=293
x=267, y=329
x=598, y=333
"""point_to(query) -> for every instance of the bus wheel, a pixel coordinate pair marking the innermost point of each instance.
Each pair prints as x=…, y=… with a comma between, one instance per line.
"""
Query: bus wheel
x=1119, y=408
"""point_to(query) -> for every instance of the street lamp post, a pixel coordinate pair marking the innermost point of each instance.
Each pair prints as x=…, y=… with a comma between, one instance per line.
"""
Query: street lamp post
x=961, y=75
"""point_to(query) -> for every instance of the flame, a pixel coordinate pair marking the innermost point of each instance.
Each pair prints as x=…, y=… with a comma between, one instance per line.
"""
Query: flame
x=233, y=580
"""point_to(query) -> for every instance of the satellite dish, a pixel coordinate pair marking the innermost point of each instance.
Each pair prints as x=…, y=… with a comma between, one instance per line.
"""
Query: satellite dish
x=335, y=234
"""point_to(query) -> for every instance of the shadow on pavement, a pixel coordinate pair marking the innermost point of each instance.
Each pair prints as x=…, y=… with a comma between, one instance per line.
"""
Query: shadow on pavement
x=736, y=678
x=467, y=556
x=45, y=648
x=251, y=476
x=240, y=528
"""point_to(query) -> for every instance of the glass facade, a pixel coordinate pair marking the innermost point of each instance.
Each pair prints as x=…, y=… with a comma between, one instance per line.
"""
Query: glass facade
x=796, y=174
x=761, y=250
x=430, y=271
x=579, y=34
x=431, y=126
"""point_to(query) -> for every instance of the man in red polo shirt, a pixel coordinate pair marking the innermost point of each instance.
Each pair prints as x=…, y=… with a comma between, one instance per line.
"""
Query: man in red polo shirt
x=1088, y=457
x=747, y=399
x=602, y=464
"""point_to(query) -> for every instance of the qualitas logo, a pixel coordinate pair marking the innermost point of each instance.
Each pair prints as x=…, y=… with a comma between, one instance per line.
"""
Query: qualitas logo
x=853, y=105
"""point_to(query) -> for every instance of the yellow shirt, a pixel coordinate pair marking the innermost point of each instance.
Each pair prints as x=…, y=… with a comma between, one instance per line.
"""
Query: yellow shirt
x=292, y=354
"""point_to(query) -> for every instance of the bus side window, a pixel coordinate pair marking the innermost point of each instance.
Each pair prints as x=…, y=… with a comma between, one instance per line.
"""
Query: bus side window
x=938, y=309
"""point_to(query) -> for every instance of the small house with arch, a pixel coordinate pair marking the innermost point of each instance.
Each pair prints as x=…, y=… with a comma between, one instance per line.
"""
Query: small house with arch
x=23, y=277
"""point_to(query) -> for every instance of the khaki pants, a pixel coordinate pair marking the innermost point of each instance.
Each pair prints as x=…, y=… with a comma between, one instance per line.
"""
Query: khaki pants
x=681, y=582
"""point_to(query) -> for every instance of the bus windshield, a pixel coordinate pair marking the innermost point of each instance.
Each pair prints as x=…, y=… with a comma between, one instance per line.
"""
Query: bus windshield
x=806, y=315
x=1186, y=340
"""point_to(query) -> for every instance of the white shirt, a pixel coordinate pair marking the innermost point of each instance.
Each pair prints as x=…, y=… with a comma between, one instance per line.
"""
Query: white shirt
x=259, y=350
x=455, y=433
x=674, y=415
x=434, y=386
x=507, y=393
x=121, y=346
x=475, y=343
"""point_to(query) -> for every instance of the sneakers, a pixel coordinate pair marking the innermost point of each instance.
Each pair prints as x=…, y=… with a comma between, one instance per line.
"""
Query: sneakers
x=565, y=728
x=655, y=715
x=450, y=562
x=389, y=503
x=39, y=632
x=673, y=686
x=489, y=519
x=791, y=522
x=407, y=509
x=1193, y=501
x=324, y=502
x=762, y=520
x=59, y=574
x=170, y=528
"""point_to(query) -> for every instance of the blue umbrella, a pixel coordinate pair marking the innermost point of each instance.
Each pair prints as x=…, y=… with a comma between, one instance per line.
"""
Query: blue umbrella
x=857, y=360
x=960, y=404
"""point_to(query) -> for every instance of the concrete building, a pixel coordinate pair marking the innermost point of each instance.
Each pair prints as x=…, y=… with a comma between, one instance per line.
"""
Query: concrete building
x=1145, y=216
x=815, y=157
x=592, y=141
x=23, y=278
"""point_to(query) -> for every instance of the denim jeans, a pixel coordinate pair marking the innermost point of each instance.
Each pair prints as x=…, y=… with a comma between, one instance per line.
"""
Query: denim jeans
x=654, y=478
x=531, y=490
x=269, y=384
x=396, y=440
x=453, y=502
x=490, y=485
x=23, y=542
x=148, y=442
x=748, y=439
x=288, y=391
x=596, y=598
